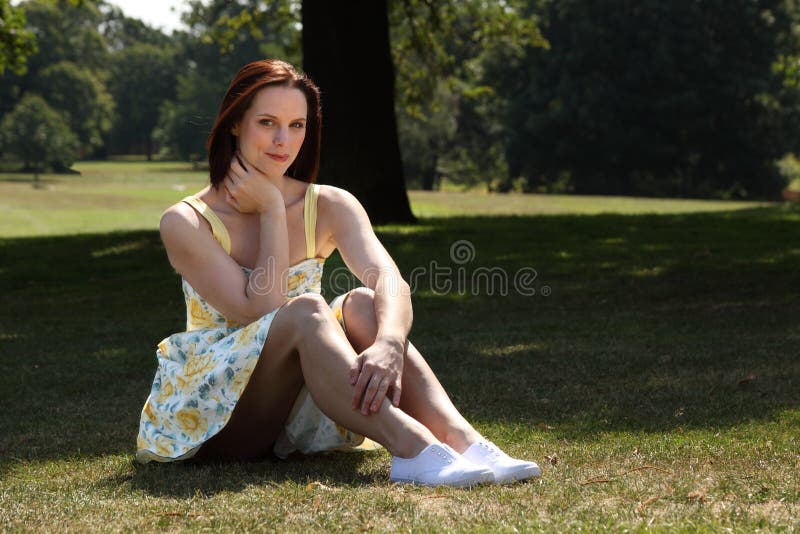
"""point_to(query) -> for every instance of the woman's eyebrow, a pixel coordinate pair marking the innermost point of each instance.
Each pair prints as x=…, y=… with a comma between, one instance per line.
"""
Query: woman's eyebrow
x=275, y=117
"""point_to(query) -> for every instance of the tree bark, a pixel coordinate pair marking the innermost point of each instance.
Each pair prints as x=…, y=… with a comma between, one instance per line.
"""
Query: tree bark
x=346, y=52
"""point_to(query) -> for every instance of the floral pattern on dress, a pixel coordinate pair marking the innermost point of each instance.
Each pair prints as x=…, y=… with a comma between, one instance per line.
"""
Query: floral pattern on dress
x=203, y=372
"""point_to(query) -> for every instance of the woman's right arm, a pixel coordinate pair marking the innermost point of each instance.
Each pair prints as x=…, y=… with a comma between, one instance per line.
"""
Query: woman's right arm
x=199, y=258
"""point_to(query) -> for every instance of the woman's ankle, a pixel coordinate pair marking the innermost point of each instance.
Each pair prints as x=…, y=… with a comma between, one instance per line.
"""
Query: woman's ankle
x=461, y=438
x=410, y=441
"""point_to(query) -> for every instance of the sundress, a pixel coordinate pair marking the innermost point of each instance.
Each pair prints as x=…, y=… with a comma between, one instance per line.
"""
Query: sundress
x=203, y=371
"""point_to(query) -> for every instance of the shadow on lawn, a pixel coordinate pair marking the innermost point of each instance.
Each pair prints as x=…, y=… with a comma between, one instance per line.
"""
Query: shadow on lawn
x=654, y=322
x=187, y=479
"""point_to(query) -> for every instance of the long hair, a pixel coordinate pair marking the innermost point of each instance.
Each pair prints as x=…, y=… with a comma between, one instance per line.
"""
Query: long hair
x=250, y=79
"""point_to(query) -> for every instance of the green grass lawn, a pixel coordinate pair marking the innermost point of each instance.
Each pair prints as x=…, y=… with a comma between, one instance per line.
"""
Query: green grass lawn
x=653, y=373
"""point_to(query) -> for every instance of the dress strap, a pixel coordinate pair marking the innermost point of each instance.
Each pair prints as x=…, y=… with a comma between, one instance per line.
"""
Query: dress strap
x=310, y=219
x=217, y=227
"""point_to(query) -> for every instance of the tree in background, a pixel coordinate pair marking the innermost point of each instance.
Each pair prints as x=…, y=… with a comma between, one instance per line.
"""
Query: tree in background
x=16, y=42
x=142, y=77
x=66, y=30
x=82, y=97
x=449, y=113
x=67, y=70
x=349, y=58
x=38, y=136
x=650, y=97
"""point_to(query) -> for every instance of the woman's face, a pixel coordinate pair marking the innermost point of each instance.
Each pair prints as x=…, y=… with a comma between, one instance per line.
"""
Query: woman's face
x=272, y=129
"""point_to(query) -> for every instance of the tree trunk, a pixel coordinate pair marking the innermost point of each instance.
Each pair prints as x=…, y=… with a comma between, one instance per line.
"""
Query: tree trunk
x=346, y=53
x=428, y=178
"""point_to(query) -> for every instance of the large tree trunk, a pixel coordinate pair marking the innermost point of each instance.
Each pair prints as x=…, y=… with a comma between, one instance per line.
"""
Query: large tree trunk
x=346, y=52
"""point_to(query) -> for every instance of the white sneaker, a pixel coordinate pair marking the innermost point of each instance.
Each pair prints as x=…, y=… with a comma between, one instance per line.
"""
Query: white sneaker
x=438, y=465
x=505, y=468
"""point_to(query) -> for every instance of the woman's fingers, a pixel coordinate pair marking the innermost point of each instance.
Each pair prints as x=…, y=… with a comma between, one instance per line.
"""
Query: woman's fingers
x=396, y=390
x=371, y=388
x=360, y=386
x=229, y=198
x=240, y=159
x=377, y=400
x=372, y=393
x=355, y=371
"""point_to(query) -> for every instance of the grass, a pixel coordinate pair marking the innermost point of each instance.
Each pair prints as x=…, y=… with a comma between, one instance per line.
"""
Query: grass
x=656, y=383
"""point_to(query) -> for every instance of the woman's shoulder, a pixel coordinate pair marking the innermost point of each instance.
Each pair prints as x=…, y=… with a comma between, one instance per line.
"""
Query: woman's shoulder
x=180, y=222
x=337, y=201
x=341, y=212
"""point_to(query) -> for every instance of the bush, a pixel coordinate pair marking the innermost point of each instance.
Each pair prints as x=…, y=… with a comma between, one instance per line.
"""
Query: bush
x=789, y=169
x=37, y=135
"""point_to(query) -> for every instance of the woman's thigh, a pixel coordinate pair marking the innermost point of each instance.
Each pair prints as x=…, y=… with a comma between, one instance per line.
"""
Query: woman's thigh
x=261, y=411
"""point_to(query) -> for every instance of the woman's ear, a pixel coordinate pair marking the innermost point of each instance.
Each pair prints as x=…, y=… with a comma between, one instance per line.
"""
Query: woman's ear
x=235, y=130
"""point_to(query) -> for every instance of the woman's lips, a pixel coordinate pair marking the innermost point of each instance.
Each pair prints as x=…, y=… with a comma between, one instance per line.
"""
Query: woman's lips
x=278, y=157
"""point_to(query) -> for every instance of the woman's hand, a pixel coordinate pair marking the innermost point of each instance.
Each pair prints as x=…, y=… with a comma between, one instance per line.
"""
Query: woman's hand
x=247, y=190
x=377, y=370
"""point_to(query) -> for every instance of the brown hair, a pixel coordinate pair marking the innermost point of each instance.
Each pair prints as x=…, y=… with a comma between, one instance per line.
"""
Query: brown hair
x=250, y=79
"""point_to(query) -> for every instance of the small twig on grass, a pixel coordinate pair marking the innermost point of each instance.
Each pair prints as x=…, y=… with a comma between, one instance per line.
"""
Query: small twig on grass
x=654, y=467
x=651, y=500
x=595, y=481
x=640, y=468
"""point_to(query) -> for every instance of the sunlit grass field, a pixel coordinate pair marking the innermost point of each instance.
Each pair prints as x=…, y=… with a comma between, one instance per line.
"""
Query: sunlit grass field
x=110, y=196
x=648, y=363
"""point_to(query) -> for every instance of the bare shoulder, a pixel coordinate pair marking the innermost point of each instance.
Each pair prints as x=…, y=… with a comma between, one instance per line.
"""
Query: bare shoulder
x=182, y=230
x=178, y=219
x=335, y=203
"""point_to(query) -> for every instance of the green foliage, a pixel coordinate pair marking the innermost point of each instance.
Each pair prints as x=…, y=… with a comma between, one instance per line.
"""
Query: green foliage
x=449, y=115
x=16, y=42
x=183, y=124
x=142, y=77
x=121, y=32
x=66, y=31
x=789, y=169
x=82, y=96
x=661, y=98
x=38, y=135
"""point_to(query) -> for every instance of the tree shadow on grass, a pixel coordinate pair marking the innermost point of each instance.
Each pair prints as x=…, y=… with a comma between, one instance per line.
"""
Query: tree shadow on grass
x=187, y=479
x=652, y=322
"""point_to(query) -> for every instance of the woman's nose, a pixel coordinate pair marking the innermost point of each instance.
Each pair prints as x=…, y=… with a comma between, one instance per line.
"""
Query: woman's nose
x=281, y=136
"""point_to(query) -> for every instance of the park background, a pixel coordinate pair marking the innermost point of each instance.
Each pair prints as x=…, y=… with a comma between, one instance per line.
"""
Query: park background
x=634, y=155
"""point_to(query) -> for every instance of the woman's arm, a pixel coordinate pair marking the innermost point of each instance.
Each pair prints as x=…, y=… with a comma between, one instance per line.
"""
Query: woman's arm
x=380, y=366
x=196, y=255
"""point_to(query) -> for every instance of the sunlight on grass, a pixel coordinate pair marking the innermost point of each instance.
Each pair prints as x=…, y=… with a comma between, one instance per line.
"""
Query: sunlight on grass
x=119, y=249
x=131, y=195
x=656, y=385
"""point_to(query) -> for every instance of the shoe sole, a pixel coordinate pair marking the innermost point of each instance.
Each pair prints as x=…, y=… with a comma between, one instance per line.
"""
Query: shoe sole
x=486, y=478
x=519, y=476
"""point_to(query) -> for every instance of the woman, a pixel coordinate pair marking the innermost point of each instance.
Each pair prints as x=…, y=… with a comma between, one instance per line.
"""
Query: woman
x=250, y=248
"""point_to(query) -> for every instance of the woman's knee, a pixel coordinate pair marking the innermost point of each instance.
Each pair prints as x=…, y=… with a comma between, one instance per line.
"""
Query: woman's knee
x=306, y=305
x=358, y=311
x=305, y=308
x=359, y=305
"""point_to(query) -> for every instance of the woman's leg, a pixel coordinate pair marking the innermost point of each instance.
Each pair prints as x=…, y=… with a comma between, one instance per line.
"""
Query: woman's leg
x=423, y=396
x=306, y=345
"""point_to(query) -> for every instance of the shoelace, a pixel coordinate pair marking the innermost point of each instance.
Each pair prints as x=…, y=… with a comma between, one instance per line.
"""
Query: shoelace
x=443, y=456
x=492, y=449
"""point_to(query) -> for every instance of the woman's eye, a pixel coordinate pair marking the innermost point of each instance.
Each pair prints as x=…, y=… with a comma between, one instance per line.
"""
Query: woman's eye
x=298, y=125
x=266, y=122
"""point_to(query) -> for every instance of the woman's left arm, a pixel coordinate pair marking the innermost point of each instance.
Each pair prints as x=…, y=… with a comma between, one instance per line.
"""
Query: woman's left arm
x=379, y=367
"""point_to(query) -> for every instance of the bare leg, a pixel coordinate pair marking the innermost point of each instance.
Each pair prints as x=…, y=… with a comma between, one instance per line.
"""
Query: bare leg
x=423, y=396
x=306, y=344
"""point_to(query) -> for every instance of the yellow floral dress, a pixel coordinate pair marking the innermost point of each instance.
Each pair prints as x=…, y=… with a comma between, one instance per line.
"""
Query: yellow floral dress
x=203, y=371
